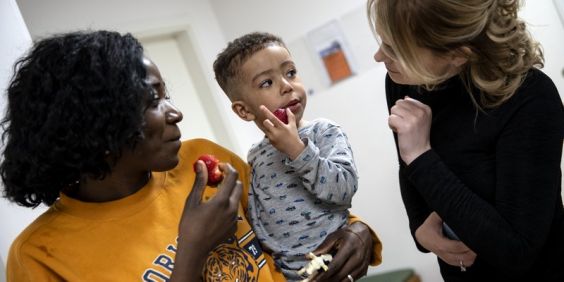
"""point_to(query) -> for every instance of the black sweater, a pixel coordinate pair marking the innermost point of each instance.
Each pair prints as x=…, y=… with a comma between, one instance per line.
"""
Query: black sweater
x=494, y=177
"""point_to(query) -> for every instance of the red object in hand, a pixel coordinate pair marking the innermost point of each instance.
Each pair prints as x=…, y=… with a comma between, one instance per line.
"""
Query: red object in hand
x=281, y=115
x=214, y=174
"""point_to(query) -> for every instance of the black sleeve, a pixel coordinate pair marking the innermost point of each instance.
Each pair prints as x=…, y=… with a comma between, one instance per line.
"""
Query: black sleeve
x=417, y=210
x=510, y=232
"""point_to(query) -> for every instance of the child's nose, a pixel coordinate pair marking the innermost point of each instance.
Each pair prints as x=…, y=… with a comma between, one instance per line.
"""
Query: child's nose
x=286, y=86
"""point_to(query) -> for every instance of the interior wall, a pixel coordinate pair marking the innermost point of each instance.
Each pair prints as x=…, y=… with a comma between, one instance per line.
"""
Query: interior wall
x=358, y=104
x=47, y=17
x=168, y=55
x=2, y=271
x=15, y=40
x=140, y=17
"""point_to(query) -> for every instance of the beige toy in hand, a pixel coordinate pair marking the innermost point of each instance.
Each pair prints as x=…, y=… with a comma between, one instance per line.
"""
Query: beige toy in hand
x=316, y=263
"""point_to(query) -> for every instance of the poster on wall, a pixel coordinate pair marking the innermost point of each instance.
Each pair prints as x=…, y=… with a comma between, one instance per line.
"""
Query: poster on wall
x=331, y=52
x=335, y=62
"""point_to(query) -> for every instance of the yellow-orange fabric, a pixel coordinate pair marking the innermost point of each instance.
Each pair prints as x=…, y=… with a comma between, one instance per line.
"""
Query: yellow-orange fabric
x=134, y=238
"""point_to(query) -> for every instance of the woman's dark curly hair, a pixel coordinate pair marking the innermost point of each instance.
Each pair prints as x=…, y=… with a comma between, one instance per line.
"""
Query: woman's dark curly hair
x=75, y=99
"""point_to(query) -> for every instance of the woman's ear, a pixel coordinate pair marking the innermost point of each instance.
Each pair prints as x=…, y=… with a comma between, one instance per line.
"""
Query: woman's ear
x=460, y=56
x=241, y=109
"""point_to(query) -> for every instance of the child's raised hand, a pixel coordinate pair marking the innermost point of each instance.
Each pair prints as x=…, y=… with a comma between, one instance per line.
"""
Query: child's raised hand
x=283, y=137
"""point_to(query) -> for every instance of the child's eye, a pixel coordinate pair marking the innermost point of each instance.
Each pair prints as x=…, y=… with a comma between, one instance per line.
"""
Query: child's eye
x=292, y=73
x=265, y=83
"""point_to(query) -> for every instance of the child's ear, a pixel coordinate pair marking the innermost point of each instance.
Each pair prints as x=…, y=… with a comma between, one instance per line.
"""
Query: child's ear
x=241, y=109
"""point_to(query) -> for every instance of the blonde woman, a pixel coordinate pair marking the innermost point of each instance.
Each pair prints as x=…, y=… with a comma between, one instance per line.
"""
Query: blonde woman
x=479, y=131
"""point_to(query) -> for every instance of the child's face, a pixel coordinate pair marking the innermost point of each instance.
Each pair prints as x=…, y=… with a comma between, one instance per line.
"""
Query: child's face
x=269, y=77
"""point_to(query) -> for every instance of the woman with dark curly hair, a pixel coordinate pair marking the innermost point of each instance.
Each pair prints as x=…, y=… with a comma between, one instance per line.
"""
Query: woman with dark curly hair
x=72, y=107
x=90, y=131
x=478, y=130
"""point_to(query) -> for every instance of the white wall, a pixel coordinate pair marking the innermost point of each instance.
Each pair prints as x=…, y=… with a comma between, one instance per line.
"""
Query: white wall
x=546, y=27
x=46, y=17
x=138, y=17
x=358, y=104
x=2, y=271
x=15, y=40
x=215, y=22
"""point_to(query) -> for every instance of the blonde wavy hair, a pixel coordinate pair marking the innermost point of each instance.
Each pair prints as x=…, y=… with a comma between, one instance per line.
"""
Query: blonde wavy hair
x=499, y=49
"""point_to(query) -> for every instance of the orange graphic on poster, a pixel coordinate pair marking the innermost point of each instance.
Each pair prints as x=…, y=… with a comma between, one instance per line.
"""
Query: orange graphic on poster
x=336, y=62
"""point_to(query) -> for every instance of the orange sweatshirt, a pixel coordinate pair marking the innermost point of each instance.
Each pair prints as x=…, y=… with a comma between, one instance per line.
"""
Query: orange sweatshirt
x=134, y=238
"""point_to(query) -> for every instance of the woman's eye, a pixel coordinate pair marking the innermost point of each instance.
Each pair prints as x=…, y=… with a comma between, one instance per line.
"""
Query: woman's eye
x=265, y=84
x=388, y=49
x=154, y=97
x=155, y=102
x=166, y=94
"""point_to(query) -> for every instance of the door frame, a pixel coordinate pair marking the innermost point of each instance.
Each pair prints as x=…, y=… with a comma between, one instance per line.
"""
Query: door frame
x=184, y=37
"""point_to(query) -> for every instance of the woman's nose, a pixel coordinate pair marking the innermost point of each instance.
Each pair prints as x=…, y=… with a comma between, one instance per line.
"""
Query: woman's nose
x=173, y=115
x=379, y=56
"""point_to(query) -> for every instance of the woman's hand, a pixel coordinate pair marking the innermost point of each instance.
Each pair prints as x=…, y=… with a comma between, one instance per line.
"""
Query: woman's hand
x=200, y=230
x=351, y=247
x=284, y=137
x=430, y=236
x=411, y=120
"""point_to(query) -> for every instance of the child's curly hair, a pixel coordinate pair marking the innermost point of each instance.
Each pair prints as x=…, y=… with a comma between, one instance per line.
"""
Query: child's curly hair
x=228, y=63
x=74, y=103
